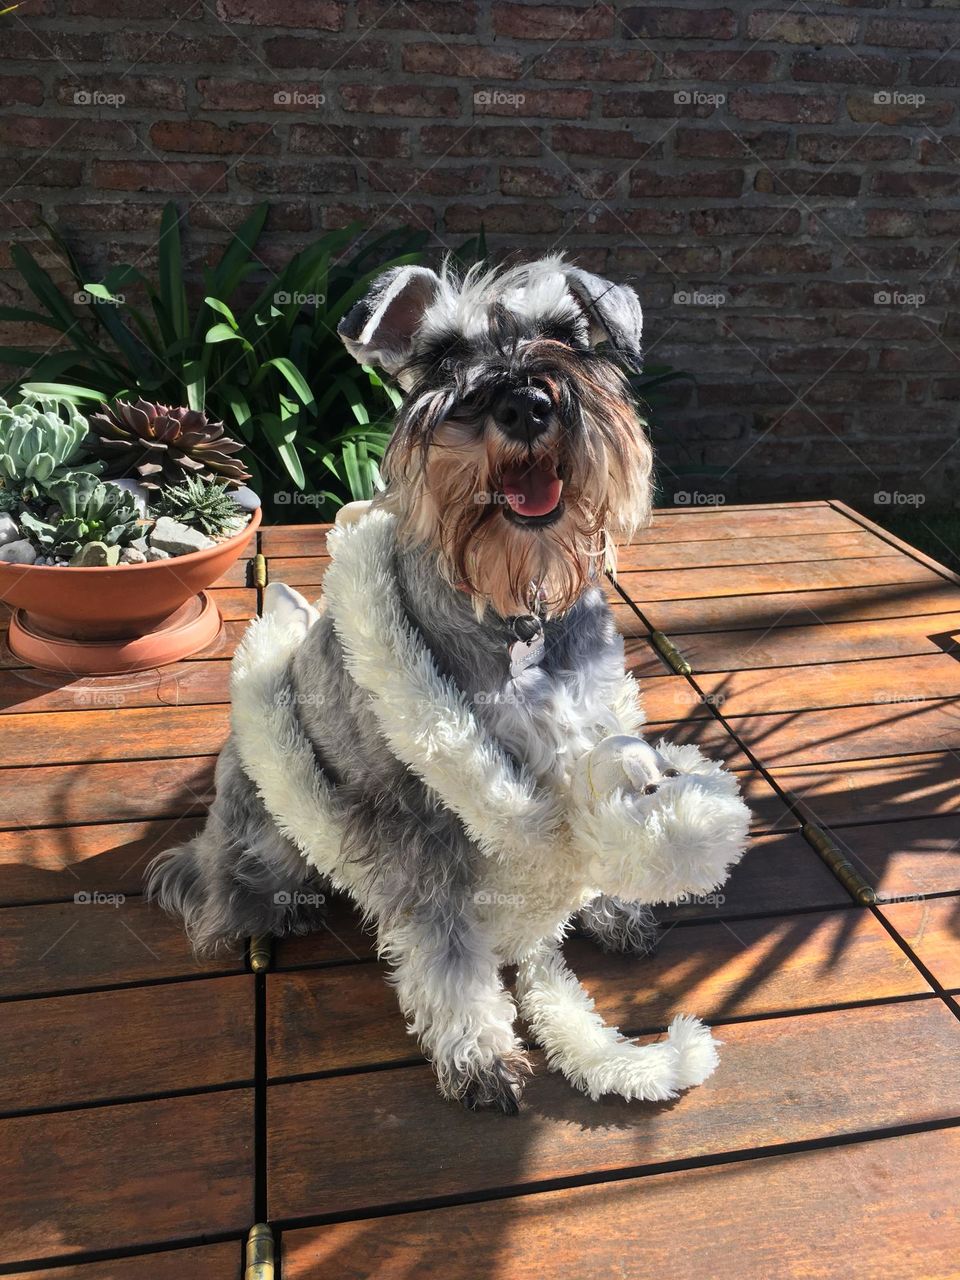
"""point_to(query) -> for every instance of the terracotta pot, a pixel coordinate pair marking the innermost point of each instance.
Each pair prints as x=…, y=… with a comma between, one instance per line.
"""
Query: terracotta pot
x=127, y=617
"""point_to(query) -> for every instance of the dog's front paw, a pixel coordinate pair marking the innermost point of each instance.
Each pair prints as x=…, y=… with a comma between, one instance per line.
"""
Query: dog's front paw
x=494, y=1086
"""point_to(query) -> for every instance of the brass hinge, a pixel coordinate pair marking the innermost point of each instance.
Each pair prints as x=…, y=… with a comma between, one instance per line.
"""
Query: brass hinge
x=259, y=570
x=668, y=650
x=839, y=864
x=259, y=1254
x=261, y=952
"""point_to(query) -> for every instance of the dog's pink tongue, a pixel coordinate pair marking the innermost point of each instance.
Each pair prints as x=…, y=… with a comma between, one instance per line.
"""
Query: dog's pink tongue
x=532, y=489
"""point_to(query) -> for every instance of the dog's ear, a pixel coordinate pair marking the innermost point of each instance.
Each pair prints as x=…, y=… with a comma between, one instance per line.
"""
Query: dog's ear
x=380, y=328
x=613, y=311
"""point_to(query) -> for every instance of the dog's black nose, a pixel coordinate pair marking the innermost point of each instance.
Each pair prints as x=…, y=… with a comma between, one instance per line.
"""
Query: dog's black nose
x=523, y=413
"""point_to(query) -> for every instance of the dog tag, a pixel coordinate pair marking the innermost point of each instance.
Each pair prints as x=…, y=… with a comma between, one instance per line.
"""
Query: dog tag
x=528, y=648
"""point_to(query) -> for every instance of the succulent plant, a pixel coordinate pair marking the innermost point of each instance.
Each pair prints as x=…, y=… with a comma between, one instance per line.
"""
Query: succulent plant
x=91, y=510
x=37, y=446
x=161, y=445
x=202, y=505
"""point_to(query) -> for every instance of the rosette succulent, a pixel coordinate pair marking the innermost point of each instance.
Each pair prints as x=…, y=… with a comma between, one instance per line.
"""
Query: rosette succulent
x=91, y=510
x=160, y=445
x=37, y=447
x=201, y=505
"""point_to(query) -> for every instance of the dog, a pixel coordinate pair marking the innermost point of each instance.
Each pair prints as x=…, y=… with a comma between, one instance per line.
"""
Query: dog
x=451, y=736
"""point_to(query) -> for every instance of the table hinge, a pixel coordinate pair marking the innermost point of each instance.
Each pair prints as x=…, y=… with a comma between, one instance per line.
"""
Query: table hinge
x=260, y=952
x=259, y=570
x=259, y=1264
x=671, y=654
x=839, y=864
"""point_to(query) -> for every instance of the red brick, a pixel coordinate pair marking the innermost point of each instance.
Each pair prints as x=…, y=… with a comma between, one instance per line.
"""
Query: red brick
x=934, y=358
x=774, y=328
x=141, y=49
x=229, y=215
x=100, y=215
x=481, y=140
x=659, y=103
x=369, y=143
x=615, y=221
x=574, y=140
x=892, y=222
x=326, y=15
x=745, y=222
x=135, y=91
x=796, y=27
x=326, y=177
x=926, y=184
x=553, y=21
x=778, y=259
x=844, y=69
x=439, y=180
x=942, y=151
x=686, y=261
x=834, y=294
x=523, y=219
x=20, y=43
x=269, y=94
x=723, y=144
x=746, y=392
x=309, y=53
x=20, y=91
x=946, y=389
x=560, y=62
x=882, y=258
x=897, y=326
x=589, y=184
x=565, y=104
x=474, y=60
x=831, y=390
x=866, y=110
x=645, y=184
x=716, y=64
x=904, y=33
x=805, y=182
x=934, y=72
x=827, y=148
x=202, y=137
x=177, y=177
x=381, y=216
x=46, y=133
x=40, y=171
x=456, y=17
x=787, y=108
x=400, y=100
x=181, y=10
x=683, y=24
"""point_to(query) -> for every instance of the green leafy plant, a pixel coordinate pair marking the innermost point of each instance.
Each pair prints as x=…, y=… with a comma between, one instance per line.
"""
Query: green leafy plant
x=91, y=510
x=162, y=445
x=202, y=505
x=37, y=445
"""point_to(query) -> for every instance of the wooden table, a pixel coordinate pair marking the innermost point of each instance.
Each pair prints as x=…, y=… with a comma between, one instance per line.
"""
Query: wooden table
x=154, y=1107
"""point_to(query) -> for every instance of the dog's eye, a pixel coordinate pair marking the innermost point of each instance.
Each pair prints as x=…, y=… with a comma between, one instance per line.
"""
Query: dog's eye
x=671, y=773
x=650, y=789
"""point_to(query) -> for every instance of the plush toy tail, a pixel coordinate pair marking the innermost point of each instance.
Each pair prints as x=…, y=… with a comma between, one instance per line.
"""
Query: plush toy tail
x=594, y=1056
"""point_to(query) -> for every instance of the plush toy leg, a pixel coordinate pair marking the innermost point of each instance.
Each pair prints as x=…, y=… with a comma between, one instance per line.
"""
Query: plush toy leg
x=594, y=1056
x=291, y=608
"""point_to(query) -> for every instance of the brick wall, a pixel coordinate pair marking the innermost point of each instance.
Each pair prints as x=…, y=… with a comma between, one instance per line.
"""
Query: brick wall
x=782, y=184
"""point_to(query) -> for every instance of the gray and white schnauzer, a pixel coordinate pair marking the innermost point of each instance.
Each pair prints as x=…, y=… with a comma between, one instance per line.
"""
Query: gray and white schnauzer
x=450, y=736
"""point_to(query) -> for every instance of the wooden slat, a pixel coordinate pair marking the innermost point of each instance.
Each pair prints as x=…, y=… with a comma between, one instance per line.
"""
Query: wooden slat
x=833, y=641
x=894, y=683
x=114, y=1177
x=849, y=733
x=871, y=1209
x=931, y=929
x=238, y=575
x=709, y=735
x=779, y=1081
x=916, y=786
x=118, y=734
x=186, y=683
x=672, y=524
x=341, y=939
x=741, y=580
x=303, y=572
x=904, y=858
x=768, y=812
x=852, y=542
x=84, y=793
x=57, y=862
x=667, y=697
x=120, y=1044
x=800, y=608
x=642, y=659
x=212, y=1262
x=295, y=540
x=236, y=604
x=83, y=945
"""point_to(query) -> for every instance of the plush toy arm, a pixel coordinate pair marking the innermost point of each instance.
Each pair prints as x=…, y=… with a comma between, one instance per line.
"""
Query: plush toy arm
x=658, y=823
x=594, y=1056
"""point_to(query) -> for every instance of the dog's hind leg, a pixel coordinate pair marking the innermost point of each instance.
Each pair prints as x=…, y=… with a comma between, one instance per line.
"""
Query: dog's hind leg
x=594, y=1056
x=240, y=876
x=629, y=928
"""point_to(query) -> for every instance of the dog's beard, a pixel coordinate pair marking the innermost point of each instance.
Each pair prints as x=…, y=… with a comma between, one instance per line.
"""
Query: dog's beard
x=444, y=485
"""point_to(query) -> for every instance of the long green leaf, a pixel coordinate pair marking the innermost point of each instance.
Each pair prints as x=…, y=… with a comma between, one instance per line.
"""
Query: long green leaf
x=173, y=293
